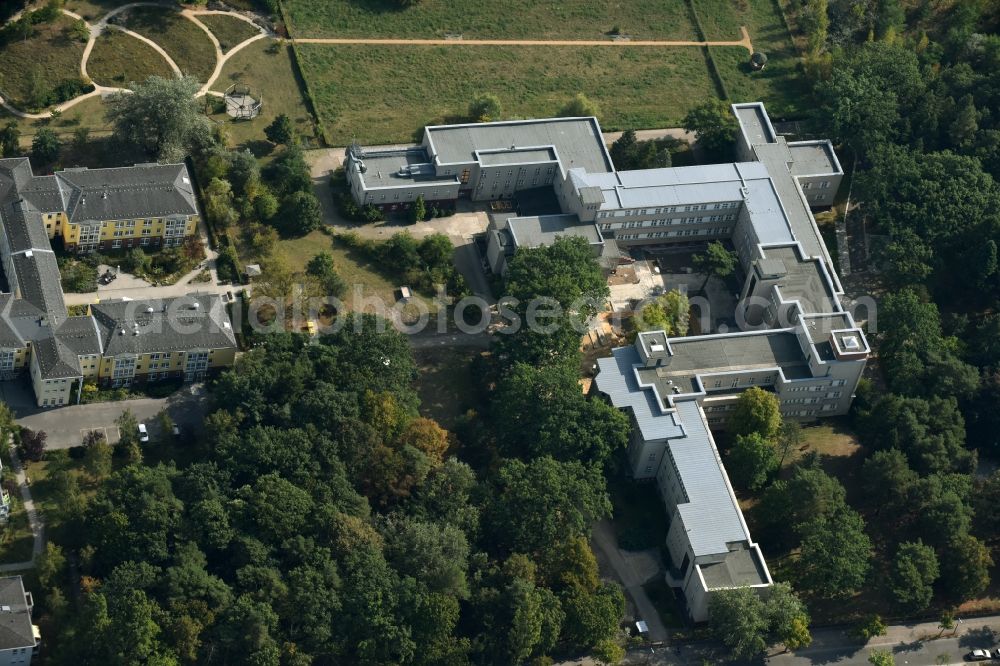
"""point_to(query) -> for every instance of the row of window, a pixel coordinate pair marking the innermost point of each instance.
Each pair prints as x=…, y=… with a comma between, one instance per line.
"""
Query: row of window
x=664, y=222
x=720, y=231
x=821, y=185
x=636, y=212
x=749, y=382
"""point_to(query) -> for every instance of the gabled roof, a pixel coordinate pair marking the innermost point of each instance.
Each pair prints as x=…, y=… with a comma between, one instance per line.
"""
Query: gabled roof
x=55, y=359
x=9, y=336
x=38, y=280
x=46, y=194
x=15, y=624
x=197, y=321
x=143, y=190
x=24, y=227
x=80, y=335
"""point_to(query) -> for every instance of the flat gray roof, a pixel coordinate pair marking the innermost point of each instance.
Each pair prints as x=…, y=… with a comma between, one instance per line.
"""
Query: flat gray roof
x=755, y=123
x=819, y=328
x=699, y=355
x=804, y=280
x=813, y=158
x=543, y=230
x=616, y=378
x=15, y=624
x=711, y=516
x=741, y=567
x=517, y=156
x=577, y=141
x=383, y=168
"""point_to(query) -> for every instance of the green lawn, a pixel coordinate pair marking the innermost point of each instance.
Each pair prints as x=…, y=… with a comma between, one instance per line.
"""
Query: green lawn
x=228, y=30
x=274, y=77
x=119, y=60
x=33, y=68
x=184, y=42
x=511, y=19
x=91, y=10
x=780, y=85
x=379, y=95
x=364, y=279
x=16, y=540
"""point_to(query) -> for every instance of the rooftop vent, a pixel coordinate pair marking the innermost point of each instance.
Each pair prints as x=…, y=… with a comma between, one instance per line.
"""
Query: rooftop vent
x=149, y=309
x=656, y=347
x=196, y=306
x=851, y=343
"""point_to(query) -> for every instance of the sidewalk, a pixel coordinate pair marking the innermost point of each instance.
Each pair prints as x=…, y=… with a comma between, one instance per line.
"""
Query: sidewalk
x=632, y=569
x=37, y=527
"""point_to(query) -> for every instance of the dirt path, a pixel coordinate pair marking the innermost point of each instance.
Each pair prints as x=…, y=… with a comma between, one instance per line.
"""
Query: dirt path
x=220, y=57
x=34, y=520
x=745, y=42
x=97, y=29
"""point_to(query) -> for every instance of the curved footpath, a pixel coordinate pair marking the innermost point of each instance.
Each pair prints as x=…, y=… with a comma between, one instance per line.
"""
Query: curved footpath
x=97, y=29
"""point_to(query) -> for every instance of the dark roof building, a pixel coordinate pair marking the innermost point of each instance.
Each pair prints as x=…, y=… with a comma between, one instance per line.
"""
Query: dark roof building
x=143, y=190
x=16, y=630
x=32, y=307
x=196, y=321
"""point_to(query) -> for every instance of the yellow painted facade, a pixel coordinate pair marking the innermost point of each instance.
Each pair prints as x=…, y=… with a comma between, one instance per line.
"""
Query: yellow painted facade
x=57, y=224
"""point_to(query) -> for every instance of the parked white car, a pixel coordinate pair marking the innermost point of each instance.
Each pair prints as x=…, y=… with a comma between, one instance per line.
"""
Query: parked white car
x=143, y=434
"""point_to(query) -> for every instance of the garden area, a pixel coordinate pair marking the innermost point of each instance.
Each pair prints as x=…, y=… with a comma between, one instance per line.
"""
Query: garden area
x=118, y=59
x=378, y=95
x=514, y=19
x=266, y=66
x=781, y=85
x=229, y=30
x=41, y=62
x=186, y=43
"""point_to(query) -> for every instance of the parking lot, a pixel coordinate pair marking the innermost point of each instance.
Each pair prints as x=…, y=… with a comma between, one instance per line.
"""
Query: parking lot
x=67, y=426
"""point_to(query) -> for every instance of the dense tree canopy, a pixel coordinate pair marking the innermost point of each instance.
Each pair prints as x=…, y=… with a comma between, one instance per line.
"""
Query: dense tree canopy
x=324, y=519
x=161, y=118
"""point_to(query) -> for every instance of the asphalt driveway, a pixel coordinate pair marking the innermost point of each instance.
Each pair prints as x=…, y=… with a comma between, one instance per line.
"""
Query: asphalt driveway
x=66, y=426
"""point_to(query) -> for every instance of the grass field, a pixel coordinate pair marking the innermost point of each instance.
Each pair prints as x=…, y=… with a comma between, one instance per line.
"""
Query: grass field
x=273, y=76
x=91, y=10
x=780, y=85
x=119, y=59
x=228, y=30
x=360, y=274
x=40, y=63
x=378, y=95
x=184, y=42
x=16, y=540
x=539, y=19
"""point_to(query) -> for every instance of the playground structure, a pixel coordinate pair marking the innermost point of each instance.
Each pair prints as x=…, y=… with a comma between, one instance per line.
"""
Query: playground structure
x=241, y=104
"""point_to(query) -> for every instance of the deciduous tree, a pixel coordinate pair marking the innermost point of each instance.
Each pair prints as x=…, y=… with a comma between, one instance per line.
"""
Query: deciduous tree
x=714, y=126
x=161, y=117
x=756, y=412
x=914, y=572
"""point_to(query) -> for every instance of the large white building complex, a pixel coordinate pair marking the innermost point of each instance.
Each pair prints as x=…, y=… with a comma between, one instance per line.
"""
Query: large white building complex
x=796, y=340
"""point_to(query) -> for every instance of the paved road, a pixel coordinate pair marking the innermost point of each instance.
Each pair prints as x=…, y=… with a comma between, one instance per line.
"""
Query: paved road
x=66, y=426
x=912, y=645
